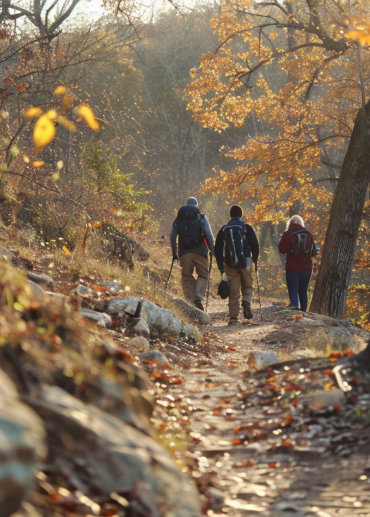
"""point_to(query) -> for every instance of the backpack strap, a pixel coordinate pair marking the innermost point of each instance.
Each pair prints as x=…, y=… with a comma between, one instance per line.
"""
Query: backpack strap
x=201, y=217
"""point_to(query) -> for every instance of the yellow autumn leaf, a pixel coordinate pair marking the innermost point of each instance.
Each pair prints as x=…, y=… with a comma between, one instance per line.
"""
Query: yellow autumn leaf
x=66, y=250
x=43, y=132
x=66, y=123
x=87, y=114
x=52, y=114
x=60, y=165
x=33, y=112
x=38, y=163
x=362, y=34
x=60, y=90
x=97, y=224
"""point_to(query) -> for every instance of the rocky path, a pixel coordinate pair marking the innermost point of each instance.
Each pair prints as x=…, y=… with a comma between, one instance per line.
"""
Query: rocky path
x=255, y=443
x=277, y=439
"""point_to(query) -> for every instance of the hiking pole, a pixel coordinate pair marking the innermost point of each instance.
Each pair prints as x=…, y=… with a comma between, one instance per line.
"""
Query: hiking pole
x=209, y=280
x=169, y=274
x=258, y=288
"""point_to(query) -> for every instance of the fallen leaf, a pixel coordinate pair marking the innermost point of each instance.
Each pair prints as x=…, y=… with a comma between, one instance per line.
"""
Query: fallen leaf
x=87, y=114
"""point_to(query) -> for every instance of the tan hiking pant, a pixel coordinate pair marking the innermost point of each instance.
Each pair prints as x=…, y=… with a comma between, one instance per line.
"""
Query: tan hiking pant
x=194, y=288
x=240, y=280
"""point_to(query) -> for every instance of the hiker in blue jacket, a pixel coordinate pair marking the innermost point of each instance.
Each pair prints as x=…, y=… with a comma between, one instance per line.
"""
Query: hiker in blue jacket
x=191, y=242
x=236, y=248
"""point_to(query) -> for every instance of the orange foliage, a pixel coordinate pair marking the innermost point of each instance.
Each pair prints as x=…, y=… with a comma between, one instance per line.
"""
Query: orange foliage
x=299, y=114
x=292, y=77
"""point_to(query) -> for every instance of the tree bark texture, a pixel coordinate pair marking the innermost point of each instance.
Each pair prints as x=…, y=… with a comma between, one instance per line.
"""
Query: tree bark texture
x=333, y=278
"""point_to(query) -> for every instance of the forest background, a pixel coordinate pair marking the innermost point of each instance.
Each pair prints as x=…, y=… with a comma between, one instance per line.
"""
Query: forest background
x=234, y=102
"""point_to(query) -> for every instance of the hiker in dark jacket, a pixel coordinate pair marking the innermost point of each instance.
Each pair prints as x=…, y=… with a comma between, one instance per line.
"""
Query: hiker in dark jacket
x=191, y=241
x=298, y=264
x=237, y=268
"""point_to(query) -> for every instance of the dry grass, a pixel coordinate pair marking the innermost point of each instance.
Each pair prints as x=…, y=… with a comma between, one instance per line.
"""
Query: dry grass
x=147, y=279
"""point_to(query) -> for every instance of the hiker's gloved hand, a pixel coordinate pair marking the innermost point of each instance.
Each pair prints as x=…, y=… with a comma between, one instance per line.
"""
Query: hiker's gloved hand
x=175, y=256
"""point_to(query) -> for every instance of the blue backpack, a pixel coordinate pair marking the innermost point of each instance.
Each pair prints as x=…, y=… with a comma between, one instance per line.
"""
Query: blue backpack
x=189, y=227
x=235, y=251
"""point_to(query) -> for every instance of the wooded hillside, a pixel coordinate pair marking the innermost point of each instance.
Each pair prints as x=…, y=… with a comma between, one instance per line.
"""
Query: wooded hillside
x=117, y=122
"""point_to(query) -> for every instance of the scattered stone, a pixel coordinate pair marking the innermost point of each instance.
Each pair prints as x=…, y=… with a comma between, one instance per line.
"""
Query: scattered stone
x=139, y=342
x=140, y=327
x=261, y=359
x=40, y=278
x=155, y=356
x=101, y=318
x=82, y=290
x=35, y=288
x=127, y=305
x=6, y=254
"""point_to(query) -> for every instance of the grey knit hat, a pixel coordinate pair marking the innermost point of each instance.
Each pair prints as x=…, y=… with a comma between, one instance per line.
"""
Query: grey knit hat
x=192, y=201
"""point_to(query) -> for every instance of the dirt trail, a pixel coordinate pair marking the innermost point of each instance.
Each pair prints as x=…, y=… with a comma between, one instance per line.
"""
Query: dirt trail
x=250, y=456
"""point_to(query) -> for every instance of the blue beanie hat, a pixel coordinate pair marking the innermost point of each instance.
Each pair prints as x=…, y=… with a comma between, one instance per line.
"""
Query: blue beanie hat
x=192, y=201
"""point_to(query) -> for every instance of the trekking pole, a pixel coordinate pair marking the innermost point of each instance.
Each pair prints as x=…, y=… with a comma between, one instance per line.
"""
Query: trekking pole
x=169, y=274
x=258, y=288
x=209, y=280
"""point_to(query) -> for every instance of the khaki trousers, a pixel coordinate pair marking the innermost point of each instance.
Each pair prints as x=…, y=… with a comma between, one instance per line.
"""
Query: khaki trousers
x=194, y=288
x=240, y=280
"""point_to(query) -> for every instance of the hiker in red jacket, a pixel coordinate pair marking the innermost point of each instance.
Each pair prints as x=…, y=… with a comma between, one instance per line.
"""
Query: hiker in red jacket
x=298, y=245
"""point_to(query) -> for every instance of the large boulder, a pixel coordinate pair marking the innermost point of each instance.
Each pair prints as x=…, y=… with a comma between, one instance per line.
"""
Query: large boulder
x=191, y=312
x=116, y=457
x=161, y=321
x=101, y=318
x=22, y=446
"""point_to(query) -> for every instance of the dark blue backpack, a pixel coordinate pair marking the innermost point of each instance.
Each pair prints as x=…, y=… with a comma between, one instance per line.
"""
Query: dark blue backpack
x=235, y=250
x=188, y=222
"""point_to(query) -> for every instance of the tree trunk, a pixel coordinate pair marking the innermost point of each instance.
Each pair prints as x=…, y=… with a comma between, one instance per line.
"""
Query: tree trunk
x=332, y=281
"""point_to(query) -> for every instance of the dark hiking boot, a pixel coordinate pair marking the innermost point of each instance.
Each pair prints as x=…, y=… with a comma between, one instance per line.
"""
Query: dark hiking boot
x=198, y=304
x=293, y=307
x=232, y=321
x=247, y=310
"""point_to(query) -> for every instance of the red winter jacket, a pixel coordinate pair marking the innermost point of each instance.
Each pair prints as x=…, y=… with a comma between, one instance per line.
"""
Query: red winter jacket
x=293, y=263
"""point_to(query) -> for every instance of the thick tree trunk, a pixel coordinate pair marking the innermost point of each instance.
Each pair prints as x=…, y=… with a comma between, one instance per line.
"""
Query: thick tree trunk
x=332, y=281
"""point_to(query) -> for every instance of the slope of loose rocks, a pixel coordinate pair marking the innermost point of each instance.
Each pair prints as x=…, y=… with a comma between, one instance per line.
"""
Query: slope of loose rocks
x=89, y=407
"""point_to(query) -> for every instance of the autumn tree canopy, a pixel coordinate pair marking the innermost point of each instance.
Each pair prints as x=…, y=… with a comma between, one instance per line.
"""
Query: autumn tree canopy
x=287, y=75
x=297, y=73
